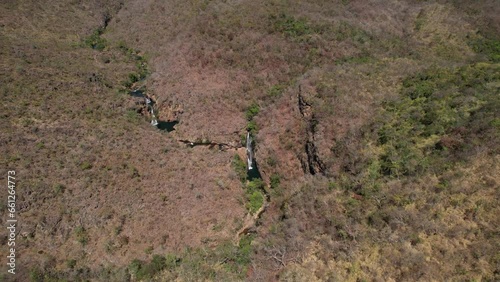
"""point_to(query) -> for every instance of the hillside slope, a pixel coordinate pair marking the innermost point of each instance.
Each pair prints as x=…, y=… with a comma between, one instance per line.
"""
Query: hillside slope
x=376, y=129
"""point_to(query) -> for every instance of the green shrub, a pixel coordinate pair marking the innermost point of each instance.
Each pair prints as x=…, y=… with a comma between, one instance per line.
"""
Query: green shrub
x=71, y=263
x=141, y=65
x=332, y=186
x=276, y=90
x=36, y=275
x=127, y=84
x=95, y=41
x=157, y=264
x=237, y=258
x=361, y=59
x=488, y=47
x=146, y=271
x=275, y=181
x=290, y=26
x=244, y=251
x=59, y=188
x=271, y=161
x=252, y=127
x=254, y=195
x=239, y=167
x=81, y=235
x=256, y=184
x=345, y=31
x=85, y=165
x=135, y=266
x=148, y=250
x=123, y=46
x=40, y=145
x=243, y=139
x=132, y=116
x=252, y=111
x=255, y=201
x=172, y=261
x=133, y=78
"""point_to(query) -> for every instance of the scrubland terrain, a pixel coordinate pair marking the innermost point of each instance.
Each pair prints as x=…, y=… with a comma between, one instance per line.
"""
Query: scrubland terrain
x=376, y=127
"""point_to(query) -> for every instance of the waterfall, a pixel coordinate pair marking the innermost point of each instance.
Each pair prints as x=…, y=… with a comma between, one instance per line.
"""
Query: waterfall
x=249, y=151
x=154, y=121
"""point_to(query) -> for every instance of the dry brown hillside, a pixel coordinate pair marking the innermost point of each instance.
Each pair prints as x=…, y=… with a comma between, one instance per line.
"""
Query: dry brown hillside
x=376, y=130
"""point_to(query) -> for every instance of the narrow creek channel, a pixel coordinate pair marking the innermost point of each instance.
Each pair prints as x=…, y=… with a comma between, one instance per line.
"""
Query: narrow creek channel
x=252, y=167
x=253, y=174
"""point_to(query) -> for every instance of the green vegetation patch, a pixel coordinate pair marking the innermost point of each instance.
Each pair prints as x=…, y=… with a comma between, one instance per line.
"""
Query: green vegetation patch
x=226, y=262
x=252, y=127
x=142, y=70
x=345, y=31
x=253, y=189
x=488, y=47
x=252, y=111
x=239, y=167
x=95, y=41
x=142, y=270
x=276, y=90
x=132, y=116
x=435, y=115
x=275, y=181
x=81, y=235
x=361, y=59
x=254, y=195
x=140, y=62
x=290, y=26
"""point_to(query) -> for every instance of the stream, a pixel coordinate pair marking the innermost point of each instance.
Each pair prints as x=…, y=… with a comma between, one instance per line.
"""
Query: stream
x=253, y=172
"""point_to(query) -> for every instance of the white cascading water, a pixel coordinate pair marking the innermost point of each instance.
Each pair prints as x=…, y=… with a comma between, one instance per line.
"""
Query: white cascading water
x=154, y=122
x=249, y=152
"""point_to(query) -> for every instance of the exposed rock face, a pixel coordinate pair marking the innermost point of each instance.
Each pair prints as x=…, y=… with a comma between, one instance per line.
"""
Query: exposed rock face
x=211, y=144
x=170, y=111
x=304, y=107
x=311, y=163
x=314, y=163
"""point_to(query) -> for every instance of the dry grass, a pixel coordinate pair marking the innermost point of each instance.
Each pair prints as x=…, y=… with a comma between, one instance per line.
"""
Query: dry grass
x=102, y=187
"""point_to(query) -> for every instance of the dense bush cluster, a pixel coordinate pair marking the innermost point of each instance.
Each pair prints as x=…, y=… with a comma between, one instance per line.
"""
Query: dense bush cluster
x=95, y=41
x=438, y=118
